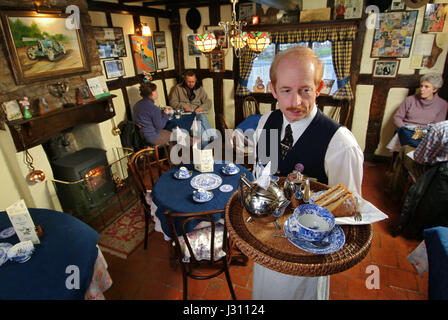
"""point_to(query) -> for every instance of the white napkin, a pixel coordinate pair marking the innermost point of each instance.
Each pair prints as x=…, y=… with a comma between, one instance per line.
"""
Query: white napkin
x=370, y=214
x=263, y=175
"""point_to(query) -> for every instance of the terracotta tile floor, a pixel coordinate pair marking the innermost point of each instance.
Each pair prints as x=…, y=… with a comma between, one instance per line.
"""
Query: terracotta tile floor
x=147, y=274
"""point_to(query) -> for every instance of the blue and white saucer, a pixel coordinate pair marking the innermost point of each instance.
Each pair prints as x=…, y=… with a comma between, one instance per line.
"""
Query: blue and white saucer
x=205, y=199
x=177, y=176
x=206, y=181
x=226, y=188
x=332, y=243
x=8, y=232
x=21, y=252
x=230, y=173
x=3, y=255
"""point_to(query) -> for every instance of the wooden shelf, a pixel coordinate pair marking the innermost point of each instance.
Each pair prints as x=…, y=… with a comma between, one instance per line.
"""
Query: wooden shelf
x=39, y=129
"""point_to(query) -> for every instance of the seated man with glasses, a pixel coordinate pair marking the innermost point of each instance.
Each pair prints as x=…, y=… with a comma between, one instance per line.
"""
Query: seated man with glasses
x=190, y=96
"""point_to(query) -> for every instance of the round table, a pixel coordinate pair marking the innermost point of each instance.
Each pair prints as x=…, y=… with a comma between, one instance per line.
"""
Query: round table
x=67, y=244
x=256, y=241
x=175, y=195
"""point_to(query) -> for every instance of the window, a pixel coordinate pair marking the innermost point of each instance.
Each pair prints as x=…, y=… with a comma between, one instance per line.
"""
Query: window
x=259, y=76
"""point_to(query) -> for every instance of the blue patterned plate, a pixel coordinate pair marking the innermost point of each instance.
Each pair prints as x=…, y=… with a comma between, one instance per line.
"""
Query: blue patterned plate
x=230, y=173
x=7, y=233
x=226, y=188
x=5, y=245
x=207, y=181
x=332, y=243
x=21, y=252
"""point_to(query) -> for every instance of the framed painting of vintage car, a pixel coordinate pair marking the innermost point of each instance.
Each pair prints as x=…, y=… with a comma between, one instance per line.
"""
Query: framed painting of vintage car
x=41, y=47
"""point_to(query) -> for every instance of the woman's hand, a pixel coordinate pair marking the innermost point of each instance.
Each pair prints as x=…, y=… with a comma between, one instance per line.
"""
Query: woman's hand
x=197, y=110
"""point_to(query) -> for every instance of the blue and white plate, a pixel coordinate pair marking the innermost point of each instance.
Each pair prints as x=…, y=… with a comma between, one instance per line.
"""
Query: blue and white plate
x=205, y=199
x=7, y=233
x=177, y=176
x=332, y=243
x=230, y=173
x=226, y=188
x=207, y=181
x=3, y=255
x=5, y=245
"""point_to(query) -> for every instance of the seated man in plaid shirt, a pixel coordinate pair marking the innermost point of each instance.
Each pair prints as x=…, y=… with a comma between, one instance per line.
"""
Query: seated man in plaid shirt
x=434, y=146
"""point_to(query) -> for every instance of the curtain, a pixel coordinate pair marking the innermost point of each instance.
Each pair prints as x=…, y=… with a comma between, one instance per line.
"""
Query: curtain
x=247, y=57
x=341, y=39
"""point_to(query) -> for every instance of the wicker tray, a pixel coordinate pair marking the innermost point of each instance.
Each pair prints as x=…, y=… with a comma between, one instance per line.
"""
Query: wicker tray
x=255, y=240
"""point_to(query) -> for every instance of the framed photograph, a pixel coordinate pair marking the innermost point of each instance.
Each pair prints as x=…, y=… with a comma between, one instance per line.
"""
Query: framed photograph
x=159, y=39
x=162, y=58
x=219, y=34
x=216, y=61
x=348, y=9
x=246, y=11
x=110, y=42
x=435, y=15
x=394, y=36
x=12, y=110
x=83, y=95
x=40, y=47
x=45, y=106
x=142, y=53
x=328, y=85
x=192, y=50
x=386, y=68
x=114, y=68
x=397, y=5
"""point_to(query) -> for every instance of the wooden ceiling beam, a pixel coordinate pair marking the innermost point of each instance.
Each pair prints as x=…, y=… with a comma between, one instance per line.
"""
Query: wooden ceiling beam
x=124, y=9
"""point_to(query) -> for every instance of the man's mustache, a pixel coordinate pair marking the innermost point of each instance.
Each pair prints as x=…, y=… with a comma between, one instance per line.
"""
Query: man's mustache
x=296, y=109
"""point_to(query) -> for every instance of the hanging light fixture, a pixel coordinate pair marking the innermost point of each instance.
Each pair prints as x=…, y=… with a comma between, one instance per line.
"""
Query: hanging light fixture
x=257, y=41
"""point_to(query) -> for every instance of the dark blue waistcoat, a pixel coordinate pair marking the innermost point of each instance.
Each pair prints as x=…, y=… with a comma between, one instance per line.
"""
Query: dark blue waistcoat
x=309, y=150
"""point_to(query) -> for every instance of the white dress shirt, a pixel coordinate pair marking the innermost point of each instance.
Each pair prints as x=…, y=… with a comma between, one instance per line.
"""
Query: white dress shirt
x=343, y=159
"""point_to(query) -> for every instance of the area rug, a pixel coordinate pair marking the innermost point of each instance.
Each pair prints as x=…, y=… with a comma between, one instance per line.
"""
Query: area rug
x=126, y=233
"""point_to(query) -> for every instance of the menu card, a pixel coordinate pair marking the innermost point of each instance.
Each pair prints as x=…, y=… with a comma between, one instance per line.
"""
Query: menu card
x=203, y=159
x=21, y=221
x=98, y=87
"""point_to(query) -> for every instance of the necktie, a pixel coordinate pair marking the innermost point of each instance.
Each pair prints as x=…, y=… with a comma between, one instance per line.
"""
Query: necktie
x=287, y=141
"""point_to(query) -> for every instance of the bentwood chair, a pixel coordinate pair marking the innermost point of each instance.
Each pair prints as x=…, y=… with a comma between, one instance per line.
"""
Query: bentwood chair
x=143, y=167
x=203, y=247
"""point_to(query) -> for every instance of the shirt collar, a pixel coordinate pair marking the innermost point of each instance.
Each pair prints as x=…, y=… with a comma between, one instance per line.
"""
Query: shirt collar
x=303, y=123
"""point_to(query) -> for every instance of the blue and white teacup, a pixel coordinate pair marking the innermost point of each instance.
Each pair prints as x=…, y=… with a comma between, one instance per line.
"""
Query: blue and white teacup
x=183, y=172
x=200, y=194
x=230, y=168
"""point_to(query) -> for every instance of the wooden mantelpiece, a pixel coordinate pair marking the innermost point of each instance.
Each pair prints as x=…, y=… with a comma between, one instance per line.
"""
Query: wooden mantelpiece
x=39, y=129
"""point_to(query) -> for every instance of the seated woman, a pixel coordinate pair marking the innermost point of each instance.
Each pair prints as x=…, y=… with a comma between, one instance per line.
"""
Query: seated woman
x=421, y=109
x=151, y=117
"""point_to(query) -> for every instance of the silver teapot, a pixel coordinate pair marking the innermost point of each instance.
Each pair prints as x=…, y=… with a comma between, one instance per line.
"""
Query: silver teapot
x=259, y=202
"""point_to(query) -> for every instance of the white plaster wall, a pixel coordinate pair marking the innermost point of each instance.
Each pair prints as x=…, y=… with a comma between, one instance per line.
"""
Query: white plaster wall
x=361, y=113
x=229, y=103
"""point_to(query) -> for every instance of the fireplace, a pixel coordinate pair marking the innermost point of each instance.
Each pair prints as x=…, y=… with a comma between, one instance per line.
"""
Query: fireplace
x=83, y=181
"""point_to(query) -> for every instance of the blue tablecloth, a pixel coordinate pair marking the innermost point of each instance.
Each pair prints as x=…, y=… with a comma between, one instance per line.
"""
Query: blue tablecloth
x=436, y=241
x=175, y=195
x=184, y=122
x=66, y=242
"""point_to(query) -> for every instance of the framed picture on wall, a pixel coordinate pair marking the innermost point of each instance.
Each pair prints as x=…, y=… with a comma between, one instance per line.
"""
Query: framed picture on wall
x=397, y=5
x=386, y=68
x=162, y=58
x=394, y=36
x=40, y=46
x=192, y=50
x=216, y=61
x=142, y=54
x=110, y=42
x=159, y=39
x=435, y=15
x=114, y=68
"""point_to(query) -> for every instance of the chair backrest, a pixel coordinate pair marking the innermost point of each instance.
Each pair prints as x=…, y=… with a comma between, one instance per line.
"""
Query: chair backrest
x=142, y=165
x=201, y=246
x=250, y=106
